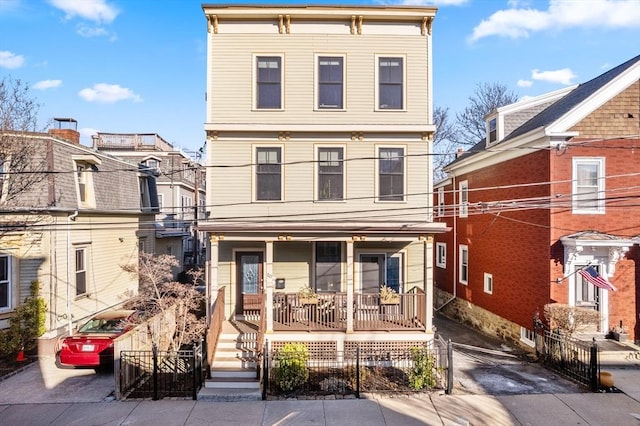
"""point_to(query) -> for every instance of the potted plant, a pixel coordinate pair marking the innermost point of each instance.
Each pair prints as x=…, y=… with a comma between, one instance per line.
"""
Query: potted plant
x=388, y=295
x=619, y=333
x=306, y=296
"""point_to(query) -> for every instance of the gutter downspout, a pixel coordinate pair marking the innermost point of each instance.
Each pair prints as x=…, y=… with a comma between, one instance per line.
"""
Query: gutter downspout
x=455, y=247
x=69, y=319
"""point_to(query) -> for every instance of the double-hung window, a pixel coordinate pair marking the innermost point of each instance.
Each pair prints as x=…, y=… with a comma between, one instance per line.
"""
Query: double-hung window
x=5, y=282
x=85, y=165
x=463, y=266
x=328, y=266
x=330, y=174
x=488, y=283
x=390, y=82
x=588, y=185
x=441, y=255
x=330, y=82
x=391, y=174
x=464, y=198
x=269, y=174
x=269, y=82
x=440, y=211
x=81, y=271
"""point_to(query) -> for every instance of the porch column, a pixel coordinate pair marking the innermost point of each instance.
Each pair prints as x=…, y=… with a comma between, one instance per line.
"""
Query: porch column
x=213, y=253
x=350, y=286
x=269, y=285
x=428, y=282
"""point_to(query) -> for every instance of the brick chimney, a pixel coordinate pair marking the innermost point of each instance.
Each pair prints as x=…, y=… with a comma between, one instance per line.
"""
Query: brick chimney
x=67, y=129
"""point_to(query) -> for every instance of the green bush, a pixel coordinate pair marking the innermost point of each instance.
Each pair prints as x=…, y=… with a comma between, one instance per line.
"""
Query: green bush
x=26, y=325
x=422, y=374
x=291, y=366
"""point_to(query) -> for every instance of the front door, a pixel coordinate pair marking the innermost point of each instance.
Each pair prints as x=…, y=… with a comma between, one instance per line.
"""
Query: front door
x=249, y=282
x=372, y=266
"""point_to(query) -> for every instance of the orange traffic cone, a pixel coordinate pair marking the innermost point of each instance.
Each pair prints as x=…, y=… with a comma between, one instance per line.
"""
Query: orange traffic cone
x=21, y=356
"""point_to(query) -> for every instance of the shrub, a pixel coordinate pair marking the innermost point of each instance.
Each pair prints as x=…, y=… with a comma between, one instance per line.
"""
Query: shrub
x=422, y=374
x=26, y=325
x=291, y=366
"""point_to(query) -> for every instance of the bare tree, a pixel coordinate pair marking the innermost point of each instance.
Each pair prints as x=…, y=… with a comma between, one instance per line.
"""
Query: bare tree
x=570, y=319
x=20, y=166
x=158, y=293
x=444, y=145
x=485, y=99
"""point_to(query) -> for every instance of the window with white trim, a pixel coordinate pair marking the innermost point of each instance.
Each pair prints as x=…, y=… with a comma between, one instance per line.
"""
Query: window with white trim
x=5, y=283
x=527, y=336
x=81, y=271
x=463, y=266
x=390, y=83
x=268, y=82
x=464, y=198
x=84, y=167
x=268, y=174
x=330, y=82
x=588, y=185
x=161, y=202
x=440, y=210
x=330, y=174
x=441, y=255
x=391, y=174
x=492, y=130
x=328, y=266
x=488, y=283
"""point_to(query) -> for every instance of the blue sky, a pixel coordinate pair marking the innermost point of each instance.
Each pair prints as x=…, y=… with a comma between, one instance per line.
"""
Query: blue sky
x=138, y=66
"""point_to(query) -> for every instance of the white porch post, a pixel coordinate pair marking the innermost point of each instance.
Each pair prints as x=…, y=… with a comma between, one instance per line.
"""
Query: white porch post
x=213, y=252
x=349, y=286
x=269, y=285
x=428, y=282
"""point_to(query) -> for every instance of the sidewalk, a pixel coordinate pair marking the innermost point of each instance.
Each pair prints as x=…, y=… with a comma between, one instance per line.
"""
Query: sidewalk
x=438, y=409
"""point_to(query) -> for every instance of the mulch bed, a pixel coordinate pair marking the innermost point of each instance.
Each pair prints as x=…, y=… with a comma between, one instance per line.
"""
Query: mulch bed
x=9, y=366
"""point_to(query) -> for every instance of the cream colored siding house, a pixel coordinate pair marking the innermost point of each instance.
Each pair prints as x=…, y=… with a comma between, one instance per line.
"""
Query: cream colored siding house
x=73, y=229
x=319, y=129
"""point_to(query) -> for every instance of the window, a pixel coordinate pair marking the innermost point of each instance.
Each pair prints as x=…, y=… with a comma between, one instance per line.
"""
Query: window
x=152, y=164
x=440, y=201
x=5, y=282
x=82, y=182
x=84, y=166
x=391, y=174
x=141, y=248
x=330, y=174
x=268, y=174
x=492, y=130
x=330, y=82
x=390, y=83
x=81, y=272
x=161, y=202
x=488, y=283
x=527, y=336
x=463, y=267
x=269, y=82
x=377, y=269
x=441, y=255
x=588, y=185
x=4, y=176
x=186, y=202
x=464, y=198
x=328, y=266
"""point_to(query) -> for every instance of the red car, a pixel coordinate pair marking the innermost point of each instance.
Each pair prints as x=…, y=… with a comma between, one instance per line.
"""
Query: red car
x=92, y=344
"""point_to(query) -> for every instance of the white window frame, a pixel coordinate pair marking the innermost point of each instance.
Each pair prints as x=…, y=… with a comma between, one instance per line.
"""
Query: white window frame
x=316, y=102
x=599, y=208
x=463, y=265
x=440, y=210
x=488, y=283
x=82, y=270
x=317, y=173
x=254, y=173
x=8, y=282
x=84, y=166
x=337, y=286
x=256, y=57
x=526, y=336
x=386, y=199
x=463, y=195
x=492, y=130
x=401, y=256
x=161, y=203
x=441, y=255
x=404, y=81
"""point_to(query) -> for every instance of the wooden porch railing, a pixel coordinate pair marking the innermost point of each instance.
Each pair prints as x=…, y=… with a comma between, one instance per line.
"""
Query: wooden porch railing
x=325, y=312
x=215, y=326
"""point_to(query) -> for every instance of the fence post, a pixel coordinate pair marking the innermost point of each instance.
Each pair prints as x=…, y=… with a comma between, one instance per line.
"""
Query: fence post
x=155, y=372
x=195, y=372
x=449, y=367
x=265, y=369
x=593, y=362
x=358, y=371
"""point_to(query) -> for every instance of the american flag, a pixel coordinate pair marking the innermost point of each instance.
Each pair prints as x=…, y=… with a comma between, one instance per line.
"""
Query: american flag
x=590, y=274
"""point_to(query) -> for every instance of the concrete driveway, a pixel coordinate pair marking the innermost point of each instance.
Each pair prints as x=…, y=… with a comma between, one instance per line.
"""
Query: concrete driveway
x=486, y=366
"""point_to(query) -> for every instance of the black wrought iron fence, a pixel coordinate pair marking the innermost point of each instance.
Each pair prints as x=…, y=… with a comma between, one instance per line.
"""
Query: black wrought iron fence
x=574, y=359
x=397, y=370
x=160, y=374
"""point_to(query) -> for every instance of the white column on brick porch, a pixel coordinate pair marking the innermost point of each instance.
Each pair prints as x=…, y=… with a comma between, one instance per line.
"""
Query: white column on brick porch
x=350, y=286
x=269, y=285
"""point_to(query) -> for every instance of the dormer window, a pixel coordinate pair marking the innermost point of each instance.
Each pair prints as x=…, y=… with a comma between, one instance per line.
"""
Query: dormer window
x=152, y=164
x=492, y=131
x=85, y=165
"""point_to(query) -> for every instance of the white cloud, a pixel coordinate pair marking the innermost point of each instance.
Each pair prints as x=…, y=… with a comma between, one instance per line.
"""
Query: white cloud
x=93, y=10
x=562, y=76
x=8, y=5
x=47, y=84
x=561, y=14
x=10, y=60
x=524, y=83
x=108, y=94
x=88, y=32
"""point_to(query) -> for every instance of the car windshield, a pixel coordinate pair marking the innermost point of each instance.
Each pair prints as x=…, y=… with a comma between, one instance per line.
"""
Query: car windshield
x=114, y=325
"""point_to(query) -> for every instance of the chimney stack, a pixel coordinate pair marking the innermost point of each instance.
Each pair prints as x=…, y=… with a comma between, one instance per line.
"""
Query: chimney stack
x=67, y=129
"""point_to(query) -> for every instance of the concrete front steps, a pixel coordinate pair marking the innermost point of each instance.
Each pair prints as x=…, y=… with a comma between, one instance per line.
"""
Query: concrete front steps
x=234, y=369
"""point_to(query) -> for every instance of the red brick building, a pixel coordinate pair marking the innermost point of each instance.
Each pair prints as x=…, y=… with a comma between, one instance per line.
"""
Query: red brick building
x=552, y=189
